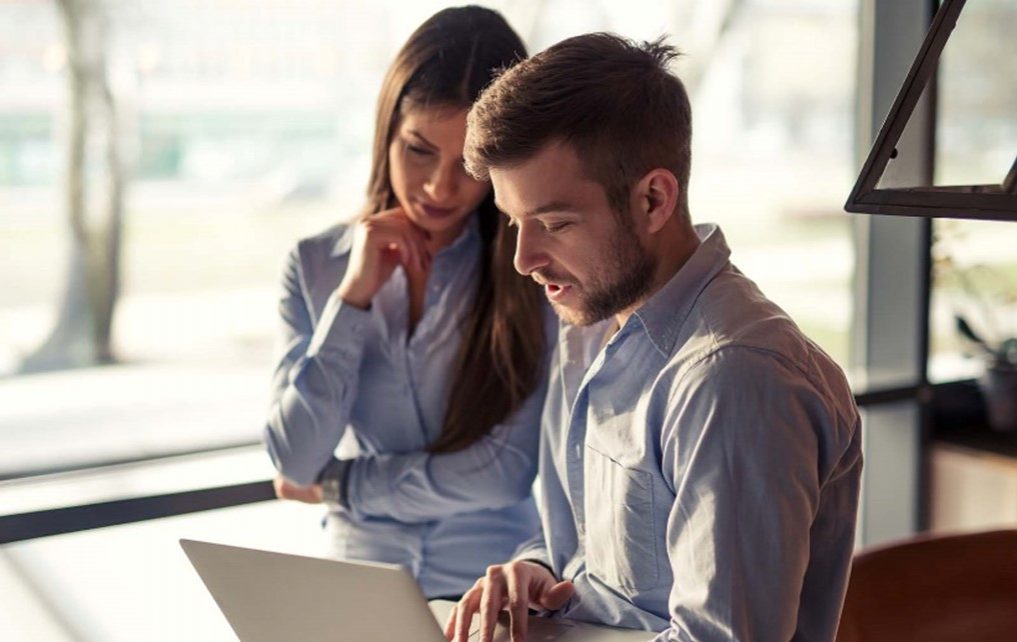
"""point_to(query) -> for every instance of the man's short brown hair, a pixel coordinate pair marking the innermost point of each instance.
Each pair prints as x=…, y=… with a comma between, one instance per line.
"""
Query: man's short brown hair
x=614, y=101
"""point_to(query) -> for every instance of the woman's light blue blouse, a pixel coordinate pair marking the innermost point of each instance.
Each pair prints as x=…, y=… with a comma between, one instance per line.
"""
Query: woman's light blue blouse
x=344, y=371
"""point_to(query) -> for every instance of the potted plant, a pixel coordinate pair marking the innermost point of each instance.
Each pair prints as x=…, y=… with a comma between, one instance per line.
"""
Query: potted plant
x=999, y=378
x=984, y=300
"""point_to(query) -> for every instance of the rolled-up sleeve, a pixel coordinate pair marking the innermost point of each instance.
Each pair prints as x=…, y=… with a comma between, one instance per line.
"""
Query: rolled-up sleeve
x=315, y=381
x=740, y=447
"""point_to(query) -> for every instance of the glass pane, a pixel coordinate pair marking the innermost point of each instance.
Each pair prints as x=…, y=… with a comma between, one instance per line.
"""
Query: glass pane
x=976, y=99
x=772, y=155
x=132, y=582
x=247, y=125
x=975, y=278
x=976, y=133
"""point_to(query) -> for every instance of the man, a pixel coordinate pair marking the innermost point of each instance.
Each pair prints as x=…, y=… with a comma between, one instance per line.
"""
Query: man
x=700, y=457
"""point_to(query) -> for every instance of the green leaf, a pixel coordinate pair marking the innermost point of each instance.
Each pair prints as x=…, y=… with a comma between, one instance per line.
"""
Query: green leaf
x=967, y=332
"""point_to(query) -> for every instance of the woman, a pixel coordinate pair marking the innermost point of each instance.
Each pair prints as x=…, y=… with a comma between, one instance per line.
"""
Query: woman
x=411, y=331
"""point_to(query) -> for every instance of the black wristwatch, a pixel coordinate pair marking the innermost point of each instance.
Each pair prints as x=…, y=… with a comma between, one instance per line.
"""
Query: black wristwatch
x=333, y=482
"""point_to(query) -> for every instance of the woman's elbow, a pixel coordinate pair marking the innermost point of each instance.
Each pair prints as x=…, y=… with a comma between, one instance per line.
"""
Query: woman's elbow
x=287, y=463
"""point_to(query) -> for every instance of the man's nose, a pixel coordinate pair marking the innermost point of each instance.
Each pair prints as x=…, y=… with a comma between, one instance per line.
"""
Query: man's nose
x=530, y=255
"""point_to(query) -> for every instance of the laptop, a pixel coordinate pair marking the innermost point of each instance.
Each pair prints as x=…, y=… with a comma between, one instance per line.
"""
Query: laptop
x=270, y=597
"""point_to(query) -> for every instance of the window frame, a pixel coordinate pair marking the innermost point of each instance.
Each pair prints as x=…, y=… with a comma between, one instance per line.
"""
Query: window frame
x=988, y=202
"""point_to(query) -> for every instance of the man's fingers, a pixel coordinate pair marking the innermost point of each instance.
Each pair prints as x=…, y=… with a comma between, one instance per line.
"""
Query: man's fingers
x=464, y=612
x=450, y=623
x=555, y=597
x=518, y=604
x=491, y=602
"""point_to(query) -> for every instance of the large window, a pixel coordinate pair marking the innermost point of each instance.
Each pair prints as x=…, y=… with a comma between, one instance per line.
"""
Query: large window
x=243, y=126
x=247, y=125
x=772, y=157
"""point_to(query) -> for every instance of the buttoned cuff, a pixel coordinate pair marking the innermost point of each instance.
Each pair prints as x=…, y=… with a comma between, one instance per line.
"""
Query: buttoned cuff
x=333, y=482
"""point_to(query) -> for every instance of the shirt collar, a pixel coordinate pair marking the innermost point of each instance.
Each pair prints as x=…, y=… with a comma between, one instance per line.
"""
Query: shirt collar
x=468, y=238
x=663, y=315
x=344, y=244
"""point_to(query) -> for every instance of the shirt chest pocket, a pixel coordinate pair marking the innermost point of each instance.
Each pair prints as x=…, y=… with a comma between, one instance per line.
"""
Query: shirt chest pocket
x=620, y=538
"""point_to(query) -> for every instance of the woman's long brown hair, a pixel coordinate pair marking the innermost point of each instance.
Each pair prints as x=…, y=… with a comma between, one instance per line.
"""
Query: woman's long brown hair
x=445, y=63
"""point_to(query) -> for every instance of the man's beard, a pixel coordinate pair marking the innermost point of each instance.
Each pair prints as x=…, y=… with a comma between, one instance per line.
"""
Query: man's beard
x=625, y=277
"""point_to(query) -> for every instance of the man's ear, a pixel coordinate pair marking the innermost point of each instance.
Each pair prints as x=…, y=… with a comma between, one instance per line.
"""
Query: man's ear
x=657, y=194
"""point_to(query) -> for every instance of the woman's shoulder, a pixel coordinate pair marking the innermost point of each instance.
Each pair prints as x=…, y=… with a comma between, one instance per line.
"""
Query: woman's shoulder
x=332, y=242
x=318, y=261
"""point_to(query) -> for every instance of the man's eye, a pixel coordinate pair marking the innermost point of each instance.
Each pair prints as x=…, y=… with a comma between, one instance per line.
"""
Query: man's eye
x=556, y=227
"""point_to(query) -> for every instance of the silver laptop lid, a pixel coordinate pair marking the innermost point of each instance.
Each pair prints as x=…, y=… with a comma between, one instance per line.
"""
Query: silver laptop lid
x=268, y=597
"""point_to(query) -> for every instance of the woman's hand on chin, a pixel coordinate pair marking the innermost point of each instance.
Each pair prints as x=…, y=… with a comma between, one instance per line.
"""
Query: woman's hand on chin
x=380, y=243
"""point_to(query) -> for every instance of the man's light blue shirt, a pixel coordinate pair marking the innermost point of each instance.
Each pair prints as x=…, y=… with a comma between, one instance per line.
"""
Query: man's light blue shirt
x=346, y=371
x=699, y=468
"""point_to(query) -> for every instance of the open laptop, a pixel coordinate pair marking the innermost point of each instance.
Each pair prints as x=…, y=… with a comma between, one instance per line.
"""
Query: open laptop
x=269, y=597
